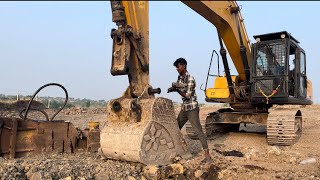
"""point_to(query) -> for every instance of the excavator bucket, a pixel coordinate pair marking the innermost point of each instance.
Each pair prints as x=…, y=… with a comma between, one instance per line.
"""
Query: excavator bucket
x=142, y=130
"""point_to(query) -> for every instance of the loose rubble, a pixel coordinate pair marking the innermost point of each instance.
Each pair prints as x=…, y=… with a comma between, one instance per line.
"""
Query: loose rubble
x=253, y=158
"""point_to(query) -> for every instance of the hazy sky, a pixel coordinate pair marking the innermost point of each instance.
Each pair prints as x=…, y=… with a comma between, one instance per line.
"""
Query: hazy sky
x=69, y=43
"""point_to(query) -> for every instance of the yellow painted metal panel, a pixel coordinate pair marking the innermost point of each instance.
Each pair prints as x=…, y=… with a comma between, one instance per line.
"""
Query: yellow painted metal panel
x=220, y=88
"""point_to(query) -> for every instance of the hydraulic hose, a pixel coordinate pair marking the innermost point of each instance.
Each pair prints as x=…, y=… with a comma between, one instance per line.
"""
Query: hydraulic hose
x=42, y=87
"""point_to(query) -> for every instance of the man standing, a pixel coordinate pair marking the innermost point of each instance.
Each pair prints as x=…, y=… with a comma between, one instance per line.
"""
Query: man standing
x=185, y=86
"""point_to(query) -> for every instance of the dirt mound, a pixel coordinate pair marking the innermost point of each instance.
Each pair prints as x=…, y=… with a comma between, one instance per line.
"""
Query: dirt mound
x=21, y=104
x=13, y=109
x=80, y=110
x=90, y=166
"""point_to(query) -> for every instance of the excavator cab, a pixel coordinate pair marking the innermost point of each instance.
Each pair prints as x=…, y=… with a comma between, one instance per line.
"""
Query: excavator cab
x=278, y=70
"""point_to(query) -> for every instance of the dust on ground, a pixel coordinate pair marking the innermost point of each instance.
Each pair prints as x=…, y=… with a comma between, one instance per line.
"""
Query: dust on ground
x=237, y=155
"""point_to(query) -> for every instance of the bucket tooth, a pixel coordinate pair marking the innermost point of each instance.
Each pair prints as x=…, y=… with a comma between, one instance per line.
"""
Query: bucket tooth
x=149, y=135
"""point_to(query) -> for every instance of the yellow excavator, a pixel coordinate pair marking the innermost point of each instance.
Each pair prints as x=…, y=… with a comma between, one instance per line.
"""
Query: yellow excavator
x=272, y=71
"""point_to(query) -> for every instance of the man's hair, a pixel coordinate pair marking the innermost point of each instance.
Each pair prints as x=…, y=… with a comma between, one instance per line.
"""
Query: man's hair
x=180, y=61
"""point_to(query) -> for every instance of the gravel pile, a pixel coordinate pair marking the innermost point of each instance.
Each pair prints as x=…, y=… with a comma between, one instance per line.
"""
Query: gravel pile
x=70, y=166
x=90, y=166
x=80, y=110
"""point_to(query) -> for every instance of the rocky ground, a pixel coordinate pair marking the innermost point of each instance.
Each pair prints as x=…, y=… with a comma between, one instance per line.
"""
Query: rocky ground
x=237, y=155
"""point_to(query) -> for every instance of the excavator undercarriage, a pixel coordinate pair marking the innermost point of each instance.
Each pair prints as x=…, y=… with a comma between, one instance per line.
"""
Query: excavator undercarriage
x=284, y=126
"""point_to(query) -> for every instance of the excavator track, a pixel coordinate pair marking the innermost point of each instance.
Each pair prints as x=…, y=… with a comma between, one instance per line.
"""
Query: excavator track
x=284, y=127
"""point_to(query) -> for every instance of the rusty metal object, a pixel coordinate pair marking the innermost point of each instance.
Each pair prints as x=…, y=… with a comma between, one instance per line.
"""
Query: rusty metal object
x=20, y=138
x=89, y=140
x=32, y=137
x=92, y=137
x=93, y=141
x=13, y=138
x=28, y=136
x=120, y=52
x=150, y=135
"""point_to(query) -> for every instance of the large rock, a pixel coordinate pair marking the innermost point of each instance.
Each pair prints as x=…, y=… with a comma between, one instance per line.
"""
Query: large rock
x=274, y=151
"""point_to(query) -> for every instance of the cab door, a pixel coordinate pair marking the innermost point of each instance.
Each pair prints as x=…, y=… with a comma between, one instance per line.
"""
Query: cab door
x=301, y=75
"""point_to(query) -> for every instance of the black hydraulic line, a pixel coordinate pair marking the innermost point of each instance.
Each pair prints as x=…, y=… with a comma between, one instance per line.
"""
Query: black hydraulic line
x=42, y=111
x=218, y=64
x=223, y=54
x=243, y=49
x=213, y=52
x=34, y=95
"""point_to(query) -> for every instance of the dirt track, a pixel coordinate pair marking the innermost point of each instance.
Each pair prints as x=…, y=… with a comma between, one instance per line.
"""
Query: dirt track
x=259, y=160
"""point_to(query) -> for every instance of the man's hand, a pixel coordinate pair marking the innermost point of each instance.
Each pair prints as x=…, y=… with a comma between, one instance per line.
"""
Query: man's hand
x=178, y=85
x=172, y=89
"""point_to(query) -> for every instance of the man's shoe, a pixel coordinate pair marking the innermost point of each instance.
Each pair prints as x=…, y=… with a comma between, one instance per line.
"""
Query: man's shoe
x=208, y=158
